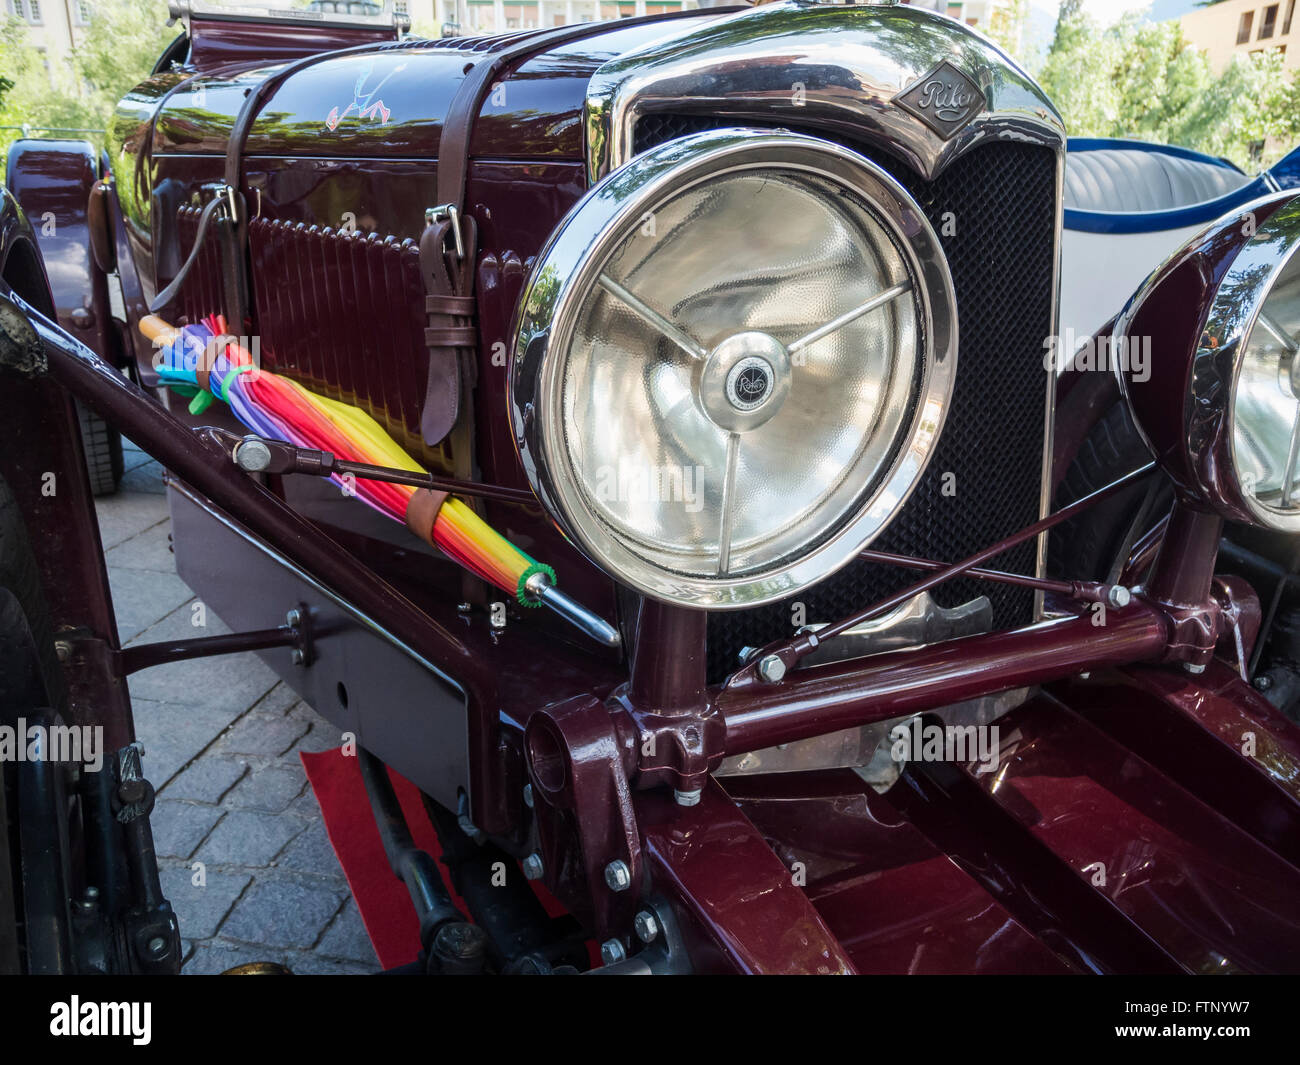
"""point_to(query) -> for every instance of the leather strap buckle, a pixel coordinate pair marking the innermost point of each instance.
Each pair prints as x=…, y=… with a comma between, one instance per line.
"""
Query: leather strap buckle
x=448, y=212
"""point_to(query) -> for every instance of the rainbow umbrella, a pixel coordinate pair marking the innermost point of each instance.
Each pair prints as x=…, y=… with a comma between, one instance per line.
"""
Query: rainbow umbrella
x=278, y=408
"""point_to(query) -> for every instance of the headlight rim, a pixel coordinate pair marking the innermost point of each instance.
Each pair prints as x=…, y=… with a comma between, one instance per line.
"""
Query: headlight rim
x=1196, y=444
x=549, y=312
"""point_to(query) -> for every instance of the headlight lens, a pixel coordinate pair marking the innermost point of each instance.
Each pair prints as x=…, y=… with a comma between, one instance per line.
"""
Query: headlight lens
x=1266, y=403
x=735, y=356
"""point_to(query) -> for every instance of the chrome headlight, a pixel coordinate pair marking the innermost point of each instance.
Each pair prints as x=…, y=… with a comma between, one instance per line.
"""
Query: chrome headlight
x=734, y=359
x=1230, y=435
x=1265, y=416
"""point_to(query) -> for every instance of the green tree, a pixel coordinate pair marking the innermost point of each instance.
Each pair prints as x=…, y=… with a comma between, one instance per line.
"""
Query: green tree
x=123, y=42
x=1007, y=26
x=1144, y=80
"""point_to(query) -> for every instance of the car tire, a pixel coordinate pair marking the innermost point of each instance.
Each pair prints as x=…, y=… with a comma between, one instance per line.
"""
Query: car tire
x=1090, y=546
x=30, y=676
x=102, y=445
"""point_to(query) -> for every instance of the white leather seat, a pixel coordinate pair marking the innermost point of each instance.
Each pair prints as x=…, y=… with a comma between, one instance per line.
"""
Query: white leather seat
x=1132, y=180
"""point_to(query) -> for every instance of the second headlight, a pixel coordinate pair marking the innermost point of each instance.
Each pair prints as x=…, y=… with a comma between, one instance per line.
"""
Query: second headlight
x=734, y=358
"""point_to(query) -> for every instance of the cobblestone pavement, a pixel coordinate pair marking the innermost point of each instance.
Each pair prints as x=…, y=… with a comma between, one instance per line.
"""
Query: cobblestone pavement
x=222, y=737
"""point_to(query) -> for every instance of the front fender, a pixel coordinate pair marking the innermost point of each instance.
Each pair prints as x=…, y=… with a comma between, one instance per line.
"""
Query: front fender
x=52, y=181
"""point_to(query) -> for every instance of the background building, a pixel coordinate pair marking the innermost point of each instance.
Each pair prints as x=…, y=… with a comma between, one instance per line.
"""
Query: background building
x=494, y=16
x=54, y=26
x=1239, y=27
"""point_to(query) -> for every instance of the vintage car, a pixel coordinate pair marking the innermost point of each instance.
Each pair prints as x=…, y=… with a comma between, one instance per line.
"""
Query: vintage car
x=644, y=437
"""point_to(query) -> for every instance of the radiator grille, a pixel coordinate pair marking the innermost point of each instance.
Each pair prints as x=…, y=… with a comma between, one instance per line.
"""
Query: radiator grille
x=341, y=312
x=999, y=203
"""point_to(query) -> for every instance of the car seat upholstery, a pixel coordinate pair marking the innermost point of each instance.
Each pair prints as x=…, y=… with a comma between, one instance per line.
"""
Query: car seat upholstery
x=1140, y=180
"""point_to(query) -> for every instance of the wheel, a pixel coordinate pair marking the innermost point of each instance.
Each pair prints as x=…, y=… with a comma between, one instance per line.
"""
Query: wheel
x=102, y=445
x=1095, y=545
x=33, y=933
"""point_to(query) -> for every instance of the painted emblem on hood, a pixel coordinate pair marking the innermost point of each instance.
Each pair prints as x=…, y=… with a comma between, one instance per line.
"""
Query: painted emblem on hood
x=366, y=104
x=945, y=99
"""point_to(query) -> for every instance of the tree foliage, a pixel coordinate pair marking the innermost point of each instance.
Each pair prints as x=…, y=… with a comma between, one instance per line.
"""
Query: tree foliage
x=79, y=91
x=1145, y=80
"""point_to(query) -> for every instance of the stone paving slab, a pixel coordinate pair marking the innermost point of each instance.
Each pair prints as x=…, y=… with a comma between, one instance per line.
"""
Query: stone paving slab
x=242, y=848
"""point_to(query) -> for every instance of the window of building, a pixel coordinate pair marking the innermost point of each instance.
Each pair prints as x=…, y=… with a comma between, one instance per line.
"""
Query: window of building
x=83, y=12
x=1269, y=24
x=1286, y=22
x=954, y=11
x=1244, y=26
x=402, y=7
x=34, y=11
x=16, y=6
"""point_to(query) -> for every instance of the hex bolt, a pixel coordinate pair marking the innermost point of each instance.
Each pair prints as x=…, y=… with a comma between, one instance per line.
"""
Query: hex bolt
x=533, y=868
x=618, y=876
x=687, y=798
x=294, y=618
x=460, y=940
x=252, y=454
x=646, y=927
x=157, y=946
x=1263, y=682
x=1194, y=667
x=297, y=657
x=611, y=951
x=771, y=668
x=131, y=791
x=1117, y=596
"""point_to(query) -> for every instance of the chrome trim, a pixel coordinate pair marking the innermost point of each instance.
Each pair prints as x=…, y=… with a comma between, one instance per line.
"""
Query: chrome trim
x=569, y=267
x=855, y=60
x=918, y=621
x=818, y=67
x=1049, y=412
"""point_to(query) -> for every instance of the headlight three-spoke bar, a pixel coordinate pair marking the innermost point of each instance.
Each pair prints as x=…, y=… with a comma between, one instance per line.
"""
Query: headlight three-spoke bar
x=744, y=379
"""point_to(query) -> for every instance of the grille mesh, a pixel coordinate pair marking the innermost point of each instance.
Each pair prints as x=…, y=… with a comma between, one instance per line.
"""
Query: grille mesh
x=994, y=212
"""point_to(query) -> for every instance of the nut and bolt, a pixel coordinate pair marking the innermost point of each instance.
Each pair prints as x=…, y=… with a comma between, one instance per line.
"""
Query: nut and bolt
x=645, y=926
x=533, y=867
x=1263, y=682
x=460, y=940
x=294, y=618
x=612, y=951
x=618, y=877
x=132, y=790
x=1194, y=667
x=157, y=946
x=687, y=798
x=1117, y=596
x=771, y=668
x=297, y=657
x=63, y=650
x=252, y=455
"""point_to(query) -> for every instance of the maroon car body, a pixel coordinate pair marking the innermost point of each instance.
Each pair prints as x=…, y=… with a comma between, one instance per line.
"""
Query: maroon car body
x=1125, y=829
